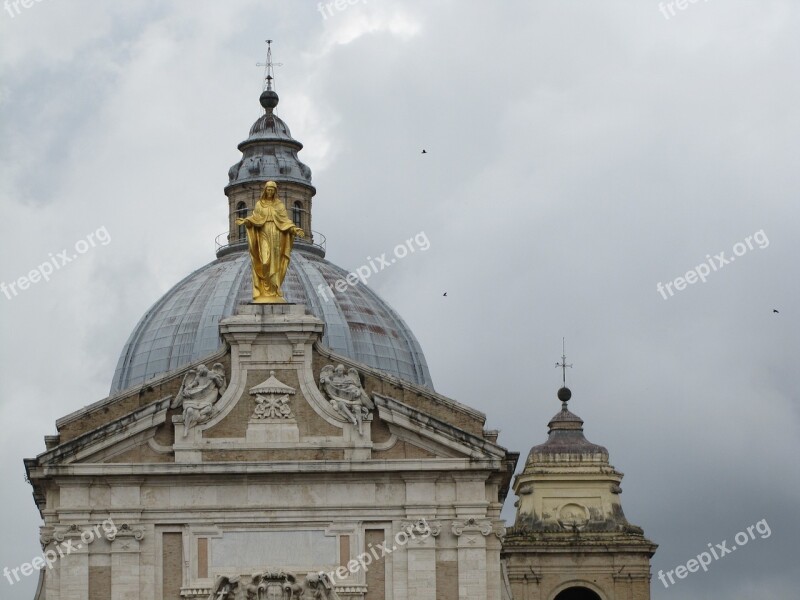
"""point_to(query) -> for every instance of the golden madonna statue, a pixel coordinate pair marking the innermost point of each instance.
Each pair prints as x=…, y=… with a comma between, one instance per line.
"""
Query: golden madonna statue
x=270, y=236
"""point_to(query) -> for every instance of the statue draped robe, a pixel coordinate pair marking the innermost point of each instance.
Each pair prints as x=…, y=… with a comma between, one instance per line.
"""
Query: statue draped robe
x=270, y=236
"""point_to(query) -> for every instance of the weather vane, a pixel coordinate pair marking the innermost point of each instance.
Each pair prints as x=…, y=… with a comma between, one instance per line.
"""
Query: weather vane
x=563, y=364
x=269, y=75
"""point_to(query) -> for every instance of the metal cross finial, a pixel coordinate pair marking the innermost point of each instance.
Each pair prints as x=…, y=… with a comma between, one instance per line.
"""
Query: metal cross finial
x=269, y=75
x=563, y=364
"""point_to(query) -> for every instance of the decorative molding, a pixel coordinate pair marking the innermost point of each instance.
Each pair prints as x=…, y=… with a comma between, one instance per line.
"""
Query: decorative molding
x=159, y=448
x=421, y=532
x=88, y=534
x=500, y=531
x=272, y=400
x=60, y=533
x=194, y=592
x=387, y=445
x=525, y=489
x=126, y=531
x=573, y=516
x=482, y=526
x=272, y=585
x=422, y=527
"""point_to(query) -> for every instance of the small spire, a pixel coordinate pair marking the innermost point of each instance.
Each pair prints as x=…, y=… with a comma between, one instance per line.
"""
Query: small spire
x=269, y=74
x=269, y=98
x=564, y=394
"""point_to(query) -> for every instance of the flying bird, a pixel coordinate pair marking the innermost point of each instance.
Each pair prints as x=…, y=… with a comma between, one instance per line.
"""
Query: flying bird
x=424, y=151
x=445, y=294
x=775, y=310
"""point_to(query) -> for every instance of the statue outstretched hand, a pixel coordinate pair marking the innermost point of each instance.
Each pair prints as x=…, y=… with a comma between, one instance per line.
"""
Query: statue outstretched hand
x=299, y=232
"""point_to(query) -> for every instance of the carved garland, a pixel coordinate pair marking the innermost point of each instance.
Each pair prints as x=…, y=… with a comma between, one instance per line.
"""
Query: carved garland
x=483, y=526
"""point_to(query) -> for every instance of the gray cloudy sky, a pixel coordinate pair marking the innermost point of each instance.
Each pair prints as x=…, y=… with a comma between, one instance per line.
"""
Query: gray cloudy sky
x=579, y=153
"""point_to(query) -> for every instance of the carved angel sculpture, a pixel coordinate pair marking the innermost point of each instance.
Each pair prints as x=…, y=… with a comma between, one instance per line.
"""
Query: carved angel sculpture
x=319, y=587
x=201, y=388
x=346, y=394
x=226, y=588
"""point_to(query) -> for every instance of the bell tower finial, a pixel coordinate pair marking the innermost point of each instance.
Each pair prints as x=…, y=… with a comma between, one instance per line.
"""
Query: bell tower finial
x=564, y=394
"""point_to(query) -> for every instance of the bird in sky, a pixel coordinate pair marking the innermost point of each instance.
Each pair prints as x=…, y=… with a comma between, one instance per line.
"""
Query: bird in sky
x=775, y=310
x=445, y=294
x=424, y=151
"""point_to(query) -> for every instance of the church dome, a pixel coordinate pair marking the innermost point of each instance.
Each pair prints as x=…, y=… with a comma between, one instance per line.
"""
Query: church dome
x=183, y=326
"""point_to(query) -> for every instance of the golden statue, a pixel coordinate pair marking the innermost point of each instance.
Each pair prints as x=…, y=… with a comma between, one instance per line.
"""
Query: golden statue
x=270, y=236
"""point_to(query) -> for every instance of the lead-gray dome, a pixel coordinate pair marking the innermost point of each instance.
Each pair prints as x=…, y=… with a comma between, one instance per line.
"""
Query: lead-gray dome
x=183, y=327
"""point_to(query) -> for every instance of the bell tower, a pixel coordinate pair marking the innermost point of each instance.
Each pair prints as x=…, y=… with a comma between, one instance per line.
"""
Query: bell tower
x=571, y=540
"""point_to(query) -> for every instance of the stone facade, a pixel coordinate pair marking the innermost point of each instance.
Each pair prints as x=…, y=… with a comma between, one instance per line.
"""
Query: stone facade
x=273, y=477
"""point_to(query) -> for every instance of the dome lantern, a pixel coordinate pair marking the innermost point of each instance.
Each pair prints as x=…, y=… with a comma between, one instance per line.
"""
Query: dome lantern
x=269, y=154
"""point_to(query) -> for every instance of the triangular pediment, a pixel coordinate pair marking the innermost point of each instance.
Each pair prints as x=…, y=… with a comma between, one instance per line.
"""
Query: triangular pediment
x=127, y=435
x=441, y=439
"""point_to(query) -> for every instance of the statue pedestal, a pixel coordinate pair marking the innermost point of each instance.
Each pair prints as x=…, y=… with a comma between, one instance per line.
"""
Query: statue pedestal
x=271, y=333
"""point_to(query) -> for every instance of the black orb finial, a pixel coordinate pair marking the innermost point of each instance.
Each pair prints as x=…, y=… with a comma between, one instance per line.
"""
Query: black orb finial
x=269, y=99
x=564, y=394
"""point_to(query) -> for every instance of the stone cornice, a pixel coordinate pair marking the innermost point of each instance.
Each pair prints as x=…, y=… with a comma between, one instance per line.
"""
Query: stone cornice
x=137, y=421
x=558, y=543
x=322, y=467
x=404, y=420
